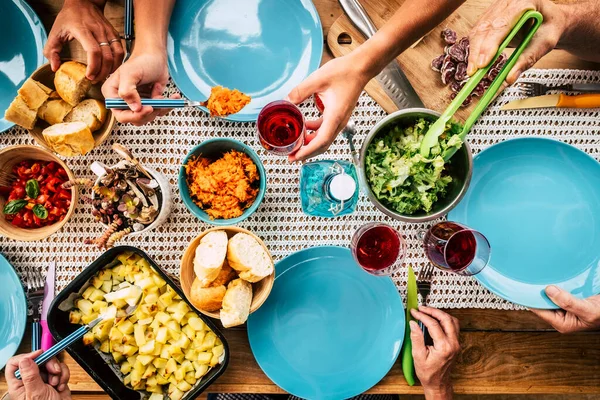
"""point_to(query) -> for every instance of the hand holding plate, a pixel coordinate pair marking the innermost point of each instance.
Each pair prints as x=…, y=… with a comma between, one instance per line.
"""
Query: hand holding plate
x=575, y=315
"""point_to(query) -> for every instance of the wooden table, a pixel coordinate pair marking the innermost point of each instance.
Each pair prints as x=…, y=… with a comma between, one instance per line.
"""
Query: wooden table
x=503, y=352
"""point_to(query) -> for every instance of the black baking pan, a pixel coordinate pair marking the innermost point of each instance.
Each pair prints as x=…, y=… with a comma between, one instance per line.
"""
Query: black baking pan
x=89, y=358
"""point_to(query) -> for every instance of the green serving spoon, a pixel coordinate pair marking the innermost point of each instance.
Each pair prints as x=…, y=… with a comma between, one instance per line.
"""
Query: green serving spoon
x=438, y=127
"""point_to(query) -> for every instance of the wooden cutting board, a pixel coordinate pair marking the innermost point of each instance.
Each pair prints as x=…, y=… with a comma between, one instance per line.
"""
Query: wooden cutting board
x=343, y=37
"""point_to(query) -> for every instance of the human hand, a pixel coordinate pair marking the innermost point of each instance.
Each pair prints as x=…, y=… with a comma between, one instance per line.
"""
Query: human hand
x=143, y=72
x=84, y=21
x=338, y=84
x=433, y=364
x=35, y=384
x=495, y=24
x=575, y=315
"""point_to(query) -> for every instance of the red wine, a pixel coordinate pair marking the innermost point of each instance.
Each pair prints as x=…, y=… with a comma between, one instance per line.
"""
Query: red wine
x=319, y=103
x=280, y=124
x=457, y=253
x=378, y=248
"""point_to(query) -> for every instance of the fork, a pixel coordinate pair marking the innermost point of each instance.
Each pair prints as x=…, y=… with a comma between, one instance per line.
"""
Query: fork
x=537, y=89
x=424, y=287
x=35, y=295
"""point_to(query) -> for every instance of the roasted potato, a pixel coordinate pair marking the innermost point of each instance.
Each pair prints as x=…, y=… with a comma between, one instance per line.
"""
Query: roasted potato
x=164, y=348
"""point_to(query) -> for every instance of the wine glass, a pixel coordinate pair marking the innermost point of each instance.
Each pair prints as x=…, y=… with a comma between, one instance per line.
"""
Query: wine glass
x=378, y=248
x=457, y=248
x=280, y=127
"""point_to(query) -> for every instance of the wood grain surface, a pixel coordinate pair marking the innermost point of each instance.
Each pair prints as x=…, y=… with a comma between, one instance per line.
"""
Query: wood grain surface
x=504, y=352
x=343, y=37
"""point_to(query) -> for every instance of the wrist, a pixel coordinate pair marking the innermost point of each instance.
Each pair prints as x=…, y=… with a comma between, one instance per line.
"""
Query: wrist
x=443, y=392
x=146, y=47
x=568, y=16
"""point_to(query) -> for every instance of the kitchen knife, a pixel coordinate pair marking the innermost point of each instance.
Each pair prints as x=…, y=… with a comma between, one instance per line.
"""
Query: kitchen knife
x=392, y=79
x=47, y=339
x=591, y=100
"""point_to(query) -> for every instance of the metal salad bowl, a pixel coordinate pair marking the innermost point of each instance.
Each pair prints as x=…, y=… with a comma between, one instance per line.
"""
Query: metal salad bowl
x=460, y=168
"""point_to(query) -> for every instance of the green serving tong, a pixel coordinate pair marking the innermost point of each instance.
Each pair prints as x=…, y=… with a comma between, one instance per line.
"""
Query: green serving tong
x=438, y=127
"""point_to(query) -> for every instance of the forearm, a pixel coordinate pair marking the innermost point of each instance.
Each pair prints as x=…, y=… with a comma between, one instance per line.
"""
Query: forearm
x=152, y=23
x=582, y=29
x=412, y=20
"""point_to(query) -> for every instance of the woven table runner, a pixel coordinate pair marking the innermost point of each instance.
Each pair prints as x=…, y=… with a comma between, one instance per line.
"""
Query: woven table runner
x=279, y=221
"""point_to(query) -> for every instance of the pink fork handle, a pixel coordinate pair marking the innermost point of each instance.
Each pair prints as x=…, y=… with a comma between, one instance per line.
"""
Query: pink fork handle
x=47, y=339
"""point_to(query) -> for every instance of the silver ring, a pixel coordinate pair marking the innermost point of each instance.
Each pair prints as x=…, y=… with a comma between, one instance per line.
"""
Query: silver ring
x=115, y=40
x=104, y=44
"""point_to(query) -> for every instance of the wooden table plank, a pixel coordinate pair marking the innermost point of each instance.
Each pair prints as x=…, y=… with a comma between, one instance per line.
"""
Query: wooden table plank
x=493, y=360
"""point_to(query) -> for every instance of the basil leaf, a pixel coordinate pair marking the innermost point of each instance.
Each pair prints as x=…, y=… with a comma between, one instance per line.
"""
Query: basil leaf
x=40, y=211
x=14, y=206
x=32, y=187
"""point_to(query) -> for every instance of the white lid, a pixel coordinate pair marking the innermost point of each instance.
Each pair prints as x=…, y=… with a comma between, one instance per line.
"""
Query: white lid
x=342, y=187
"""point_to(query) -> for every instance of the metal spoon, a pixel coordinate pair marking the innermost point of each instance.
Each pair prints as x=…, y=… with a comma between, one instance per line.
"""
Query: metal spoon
x=75, y=336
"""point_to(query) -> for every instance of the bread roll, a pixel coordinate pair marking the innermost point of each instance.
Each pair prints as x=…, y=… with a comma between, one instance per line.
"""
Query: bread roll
x=20, y=114
x=70, y=82
x=236, y=303
x=69, y=138
x=90, y=111
x=54, y=96
x=249, y=258
x=207, y=298
x=210, y=256
x=34, y=94
x=226, y=275
x=54, y=111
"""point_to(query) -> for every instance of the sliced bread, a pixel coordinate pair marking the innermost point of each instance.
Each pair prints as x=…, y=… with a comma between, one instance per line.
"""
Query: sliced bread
x=20, y=114
x=70, y=82
x=207, y=298
x=69, y=138
x=236, y=303
x=249, y=258
x=54, y=111
x=210, y=256
x=34, y=93
x=90, y=111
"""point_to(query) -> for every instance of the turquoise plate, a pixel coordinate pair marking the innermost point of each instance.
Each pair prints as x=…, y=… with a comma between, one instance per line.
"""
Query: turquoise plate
x=537, y=201
x=13, y=312
x=21, y=51
x=328, y=330
x=262, y=47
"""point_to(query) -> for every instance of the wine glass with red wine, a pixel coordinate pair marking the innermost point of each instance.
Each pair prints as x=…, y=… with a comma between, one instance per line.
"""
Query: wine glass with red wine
x=453, y=247
x=378, y=248
x=280, y=127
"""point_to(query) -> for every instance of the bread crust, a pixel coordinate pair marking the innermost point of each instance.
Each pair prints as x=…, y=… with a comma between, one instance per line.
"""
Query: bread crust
x=70, y=82
x=207, y=298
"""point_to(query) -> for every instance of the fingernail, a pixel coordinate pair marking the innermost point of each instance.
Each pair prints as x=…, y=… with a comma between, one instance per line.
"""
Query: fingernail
x=413, y=326
x=471, y=69
x=55, y=365
x=552, y=290
x=61, y=387
x=25, y=363
x=413, y=311
x=53, y=380
x=481, y=61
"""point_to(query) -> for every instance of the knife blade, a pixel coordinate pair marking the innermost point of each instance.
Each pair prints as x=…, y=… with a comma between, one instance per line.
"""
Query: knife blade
x=591, y=100
x=47, y=339
x=393, y=81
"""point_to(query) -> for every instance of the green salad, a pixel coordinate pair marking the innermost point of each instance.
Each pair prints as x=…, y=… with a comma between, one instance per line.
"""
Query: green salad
x=399, y=176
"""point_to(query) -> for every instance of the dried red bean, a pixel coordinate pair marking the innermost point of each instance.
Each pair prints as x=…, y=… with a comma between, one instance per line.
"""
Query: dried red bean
x=479, y=90
x=467, y=101
x=461, y=72
x=437, y=62
x=449, y=36
x=456, y=86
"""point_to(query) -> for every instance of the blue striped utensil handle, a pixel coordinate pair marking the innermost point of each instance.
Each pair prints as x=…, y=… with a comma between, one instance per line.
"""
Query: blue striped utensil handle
x=36, y=336
x=58, y=347
x=120, y=104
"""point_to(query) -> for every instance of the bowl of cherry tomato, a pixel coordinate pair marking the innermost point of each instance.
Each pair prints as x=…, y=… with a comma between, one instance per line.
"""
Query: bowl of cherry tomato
x=33, y=202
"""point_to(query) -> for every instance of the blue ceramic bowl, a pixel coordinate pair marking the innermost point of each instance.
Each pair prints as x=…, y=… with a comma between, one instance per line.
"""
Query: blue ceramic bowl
x=214, y=148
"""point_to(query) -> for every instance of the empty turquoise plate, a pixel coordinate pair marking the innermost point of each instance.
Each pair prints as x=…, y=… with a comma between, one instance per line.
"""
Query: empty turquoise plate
x=537, y=201
x=264, y=48
x=13, y=312
x=328, y=330
x=21, y=51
